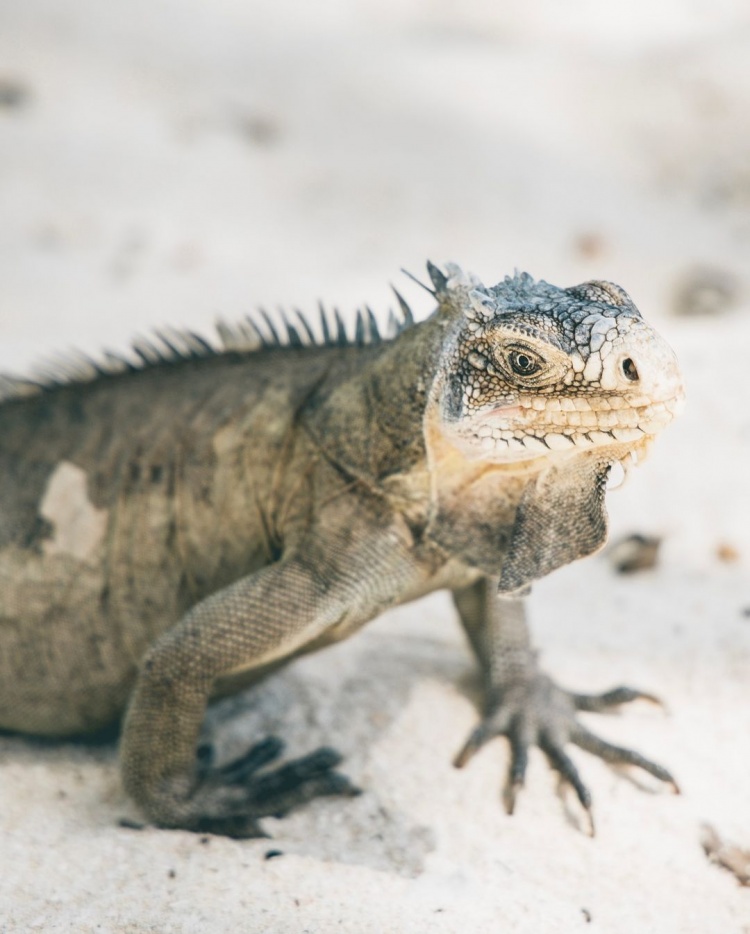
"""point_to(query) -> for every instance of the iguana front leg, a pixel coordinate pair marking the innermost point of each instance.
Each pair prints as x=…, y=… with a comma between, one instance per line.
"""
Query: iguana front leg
x=525, y=705
x=261, y=618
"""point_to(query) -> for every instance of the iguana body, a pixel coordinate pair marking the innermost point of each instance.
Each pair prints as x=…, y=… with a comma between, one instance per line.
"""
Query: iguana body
x=178, y=530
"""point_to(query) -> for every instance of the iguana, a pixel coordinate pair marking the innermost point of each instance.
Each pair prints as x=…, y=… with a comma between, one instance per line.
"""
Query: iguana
x=178, y=524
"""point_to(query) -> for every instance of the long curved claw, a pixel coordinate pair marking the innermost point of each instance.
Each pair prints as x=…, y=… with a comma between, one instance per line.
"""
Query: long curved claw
x=561, y=762
x=322, y=786
x=598, y=703
x=620, y=755
x=494, y=724
x=564, y=765
x=287, y=778
x=473, y=744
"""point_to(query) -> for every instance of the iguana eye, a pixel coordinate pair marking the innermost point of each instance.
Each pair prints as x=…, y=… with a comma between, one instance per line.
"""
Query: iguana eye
x=523, y=363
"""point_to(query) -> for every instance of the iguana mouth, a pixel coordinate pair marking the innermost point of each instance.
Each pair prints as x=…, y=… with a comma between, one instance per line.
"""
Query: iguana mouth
x=623, y=458
x=538, y=426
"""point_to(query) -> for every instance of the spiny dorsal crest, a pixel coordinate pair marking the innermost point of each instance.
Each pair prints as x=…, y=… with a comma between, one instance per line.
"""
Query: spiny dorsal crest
x=464, y=291
x=255, y=333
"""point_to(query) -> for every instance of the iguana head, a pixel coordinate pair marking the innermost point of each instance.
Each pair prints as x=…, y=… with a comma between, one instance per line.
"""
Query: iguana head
x=534, y=370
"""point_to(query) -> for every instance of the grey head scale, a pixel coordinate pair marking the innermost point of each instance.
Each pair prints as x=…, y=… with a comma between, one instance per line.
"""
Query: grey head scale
x=538, y=371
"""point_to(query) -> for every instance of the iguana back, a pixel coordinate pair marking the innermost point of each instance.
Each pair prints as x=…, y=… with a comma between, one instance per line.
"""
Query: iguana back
x=125, y=500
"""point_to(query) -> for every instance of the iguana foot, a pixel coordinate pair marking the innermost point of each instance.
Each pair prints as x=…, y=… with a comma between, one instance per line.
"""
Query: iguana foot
x=231, y=798
x=536, y=711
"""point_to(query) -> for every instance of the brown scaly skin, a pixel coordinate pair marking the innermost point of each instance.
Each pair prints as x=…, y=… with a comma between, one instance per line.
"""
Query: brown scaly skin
x=178, y=530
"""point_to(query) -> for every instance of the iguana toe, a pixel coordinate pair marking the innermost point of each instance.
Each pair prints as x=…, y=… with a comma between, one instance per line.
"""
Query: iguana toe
x=599, y=703
x=619, y=755
x=239, y=770
x=230, y=799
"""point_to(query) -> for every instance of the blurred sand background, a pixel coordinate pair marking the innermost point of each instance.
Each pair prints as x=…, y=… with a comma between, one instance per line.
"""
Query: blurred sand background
x=167, y=162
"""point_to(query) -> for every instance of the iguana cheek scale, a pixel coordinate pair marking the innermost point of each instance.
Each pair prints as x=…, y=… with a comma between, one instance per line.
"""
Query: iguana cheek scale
x=180, y=522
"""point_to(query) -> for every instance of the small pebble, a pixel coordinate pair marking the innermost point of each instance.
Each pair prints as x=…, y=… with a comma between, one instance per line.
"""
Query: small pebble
x=727, y=553
x=729, y=856
x=272, y=854
x=12, y=94
x=590, y=245
x=634, y=553
x=260, y=130
x=705, y=292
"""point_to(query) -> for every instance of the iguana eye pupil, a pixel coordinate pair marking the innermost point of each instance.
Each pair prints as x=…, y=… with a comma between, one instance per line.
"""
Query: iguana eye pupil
x=522, y=363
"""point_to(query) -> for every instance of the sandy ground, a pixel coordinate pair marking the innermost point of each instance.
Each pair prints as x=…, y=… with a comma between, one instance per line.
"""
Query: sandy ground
x=164, y=163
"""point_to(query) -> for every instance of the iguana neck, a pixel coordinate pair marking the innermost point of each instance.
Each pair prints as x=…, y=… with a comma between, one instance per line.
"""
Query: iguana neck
x=516, y=520
x=370, y=423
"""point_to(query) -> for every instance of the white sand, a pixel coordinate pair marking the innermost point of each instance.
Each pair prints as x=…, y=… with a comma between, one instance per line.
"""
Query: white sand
x=179, y=160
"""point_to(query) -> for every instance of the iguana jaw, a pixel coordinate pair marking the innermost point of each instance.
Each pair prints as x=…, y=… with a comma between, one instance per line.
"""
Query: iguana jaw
x=540, y=426
x=449, y=458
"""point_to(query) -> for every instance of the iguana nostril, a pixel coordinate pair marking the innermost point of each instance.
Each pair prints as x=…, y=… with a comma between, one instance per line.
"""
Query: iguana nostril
x=629, y=370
